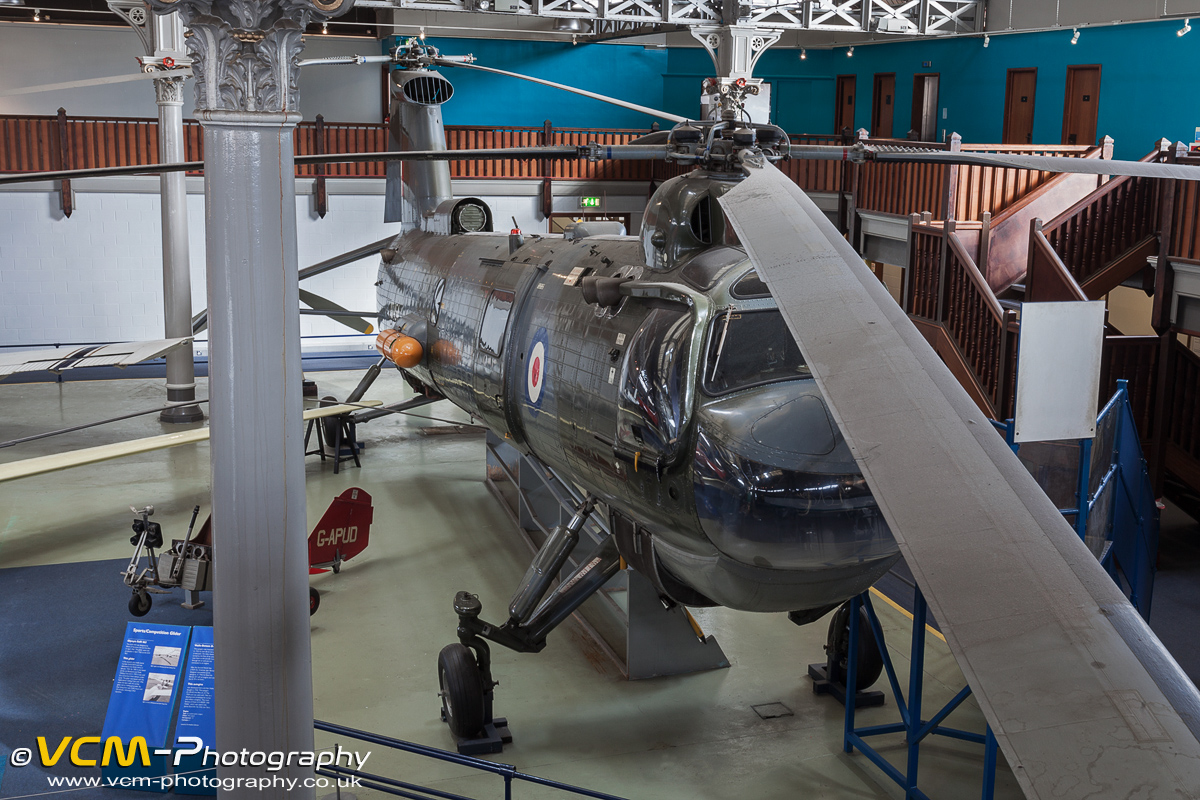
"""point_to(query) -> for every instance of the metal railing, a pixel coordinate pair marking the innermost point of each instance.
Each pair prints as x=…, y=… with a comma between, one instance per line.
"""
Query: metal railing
x=380, y=783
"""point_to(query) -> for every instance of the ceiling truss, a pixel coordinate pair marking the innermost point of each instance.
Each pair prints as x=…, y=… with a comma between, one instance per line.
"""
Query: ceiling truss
x=900, y=17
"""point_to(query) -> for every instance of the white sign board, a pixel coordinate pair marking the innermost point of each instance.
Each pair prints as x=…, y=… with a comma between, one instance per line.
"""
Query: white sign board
x=1058, y=370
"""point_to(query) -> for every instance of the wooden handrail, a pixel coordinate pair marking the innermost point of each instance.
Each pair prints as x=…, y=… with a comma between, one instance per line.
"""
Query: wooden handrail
x=1047, y=278
x=976, y=278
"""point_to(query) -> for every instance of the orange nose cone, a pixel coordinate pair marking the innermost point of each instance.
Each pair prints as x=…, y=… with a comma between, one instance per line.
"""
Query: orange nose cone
x=403, y=351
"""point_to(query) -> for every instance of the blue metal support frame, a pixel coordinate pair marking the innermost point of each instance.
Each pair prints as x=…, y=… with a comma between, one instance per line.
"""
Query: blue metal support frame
x=912, y=725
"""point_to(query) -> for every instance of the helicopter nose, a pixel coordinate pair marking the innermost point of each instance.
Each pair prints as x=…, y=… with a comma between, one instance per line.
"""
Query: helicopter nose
x=776, y=486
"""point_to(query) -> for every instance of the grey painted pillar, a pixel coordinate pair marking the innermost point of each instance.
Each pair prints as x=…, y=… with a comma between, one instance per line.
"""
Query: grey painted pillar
x=163, y=40
x=177, y=272
x=245, y=61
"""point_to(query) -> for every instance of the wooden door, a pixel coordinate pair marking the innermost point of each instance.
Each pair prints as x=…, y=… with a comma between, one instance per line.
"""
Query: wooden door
x=925, y=106
x=1082, y=105
x=882, y=105
x=843, y=115
x=1018, y=106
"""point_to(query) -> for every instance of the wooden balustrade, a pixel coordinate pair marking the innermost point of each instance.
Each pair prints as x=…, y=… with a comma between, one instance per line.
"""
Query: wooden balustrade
x=1134, y=359
x=924, y=270
x=1106, y=236
x=1179, y=429
x=1047, y=279
x=1185, y=217
x=984, y=331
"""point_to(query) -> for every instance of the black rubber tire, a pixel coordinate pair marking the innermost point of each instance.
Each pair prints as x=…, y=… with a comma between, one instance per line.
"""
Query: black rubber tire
x=329, y=424
x=139, y=604
x=461, y=688
x=314, y=601
x=870, y=661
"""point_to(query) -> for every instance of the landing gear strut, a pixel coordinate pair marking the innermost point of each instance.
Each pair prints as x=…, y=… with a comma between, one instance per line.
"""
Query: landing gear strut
x=464, y=669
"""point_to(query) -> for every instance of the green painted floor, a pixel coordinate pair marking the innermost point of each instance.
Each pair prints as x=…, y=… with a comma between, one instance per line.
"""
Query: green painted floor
x=383, y=620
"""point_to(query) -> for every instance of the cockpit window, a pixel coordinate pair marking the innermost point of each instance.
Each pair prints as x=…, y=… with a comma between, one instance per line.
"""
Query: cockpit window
x=750, y=286
x=495, y=322
x=750, y=348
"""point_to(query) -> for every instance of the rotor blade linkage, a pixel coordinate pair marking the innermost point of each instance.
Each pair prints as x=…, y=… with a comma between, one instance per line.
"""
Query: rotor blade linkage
x=653, y=112
x=1041, y=633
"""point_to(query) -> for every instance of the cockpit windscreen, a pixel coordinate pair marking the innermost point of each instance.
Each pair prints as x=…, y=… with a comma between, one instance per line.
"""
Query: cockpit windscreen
x=750, y=348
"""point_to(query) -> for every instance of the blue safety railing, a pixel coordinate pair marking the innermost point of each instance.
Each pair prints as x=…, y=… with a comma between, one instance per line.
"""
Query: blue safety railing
x=505, y=772
x=1114, y=510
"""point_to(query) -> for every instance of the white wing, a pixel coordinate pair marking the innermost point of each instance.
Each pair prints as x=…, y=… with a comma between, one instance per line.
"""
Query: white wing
x=107, y=355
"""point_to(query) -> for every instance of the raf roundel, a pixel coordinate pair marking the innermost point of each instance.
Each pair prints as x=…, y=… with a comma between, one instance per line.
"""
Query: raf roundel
x=537, y=372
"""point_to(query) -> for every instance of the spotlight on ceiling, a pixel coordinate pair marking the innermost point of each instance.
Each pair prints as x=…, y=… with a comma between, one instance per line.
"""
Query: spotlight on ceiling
x=422, y=34
x=850, y=52
x=37, y=15
x=1075, y=36
x=803, y=54
x=1187, y=26
x=986, y=40
x=572, y=25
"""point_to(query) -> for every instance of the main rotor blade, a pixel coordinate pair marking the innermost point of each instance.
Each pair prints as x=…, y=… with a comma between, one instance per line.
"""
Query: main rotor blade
x=653, y=112
x=624, y=152
x=1085, y=166
x=338, y=313
x=1081, y=696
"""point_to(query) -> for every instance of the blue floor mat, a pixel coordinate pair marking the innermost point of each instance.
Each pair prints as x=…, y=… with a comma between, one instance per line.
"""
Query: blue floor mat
x=61, y=631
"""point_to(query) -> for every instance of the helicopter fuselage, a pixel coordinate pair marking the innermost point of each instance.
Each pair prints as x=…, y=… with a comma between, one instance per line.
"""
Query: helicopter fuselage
x=681, y=402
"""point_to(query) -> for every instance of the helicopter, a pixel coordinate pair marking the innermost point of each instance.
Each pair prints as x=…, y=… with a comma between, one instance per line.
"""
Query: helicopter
x=620, y=376
x=763, y=426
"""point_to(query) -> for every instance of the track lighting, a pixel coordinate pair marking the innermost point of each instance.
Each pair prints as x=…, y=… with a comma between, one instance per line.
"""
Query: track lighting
x=850, y=52
x=37, y=15
x=422, y=34
x=1075, y=36
x=803, y=54
x=324, y=27
x=1187, y=26
x=986, y=40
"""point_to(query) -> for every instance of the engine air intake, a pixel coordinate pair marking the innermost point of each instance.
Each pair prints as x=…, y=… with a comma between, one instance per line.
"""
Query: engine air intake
x=427, y=90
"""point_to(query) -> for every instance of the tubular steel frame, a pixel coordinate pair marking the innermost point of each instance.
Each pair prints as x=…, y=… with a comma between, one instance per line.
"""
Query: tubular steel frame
x=914, y=728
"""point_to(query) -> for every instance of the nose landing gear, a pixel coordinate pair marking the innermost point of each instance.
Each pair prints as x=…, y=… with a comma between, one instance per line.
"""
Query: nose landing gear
x=465, y=685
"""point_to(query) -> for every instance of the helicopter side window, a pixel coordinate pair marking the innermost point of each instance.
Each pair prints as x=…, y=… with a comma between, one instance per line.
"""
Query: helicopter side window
x=750, y=348
x=650, y=408
x=495, y=322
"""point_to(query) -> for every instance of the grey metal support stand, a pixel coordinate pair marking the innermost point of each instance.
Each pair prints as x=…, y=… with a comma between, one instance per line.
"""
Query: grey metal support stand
x=246, y=55
x=162, y=37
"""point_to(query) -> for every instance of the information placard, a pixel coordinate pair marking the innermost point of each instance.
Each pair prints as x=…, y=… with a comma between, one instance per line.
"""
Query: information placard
x=143, y=700
x=196, y=717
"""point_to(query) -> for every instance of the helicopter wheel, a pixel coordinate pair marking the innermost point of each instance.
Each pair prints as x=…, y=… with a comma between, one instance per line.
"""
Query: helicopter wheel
x=329, y=425
x=461, y=688
x=870, y=661
x=314, y=601
x=139, y=604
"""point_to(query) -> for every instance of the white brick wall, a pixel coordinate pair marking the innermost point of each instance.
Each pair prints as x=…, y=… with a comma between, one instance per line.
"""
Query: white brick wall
x=97, y=276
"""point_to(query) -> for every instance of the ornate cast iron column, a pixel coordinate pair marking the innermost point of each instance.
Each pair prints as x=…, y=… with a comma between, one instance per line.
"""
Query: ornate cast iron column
x=245, y=55
x=163, y=41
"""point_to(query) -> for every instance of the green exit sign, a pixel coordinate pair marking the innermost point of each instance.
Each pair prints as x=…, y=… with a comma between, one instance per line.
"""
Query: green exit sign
x=589, y=202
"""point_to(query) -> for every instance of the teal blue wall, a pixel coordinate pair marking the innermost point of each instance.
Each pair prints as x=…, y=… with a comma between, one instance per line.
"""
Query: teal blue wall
x=629, y=73
x=1146, y=90
x=1147, y=82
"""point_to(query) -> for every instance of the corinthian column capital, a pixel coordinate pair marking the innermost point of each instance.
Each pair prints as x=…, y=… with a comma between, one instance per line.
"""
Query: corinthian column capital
x=246, y=52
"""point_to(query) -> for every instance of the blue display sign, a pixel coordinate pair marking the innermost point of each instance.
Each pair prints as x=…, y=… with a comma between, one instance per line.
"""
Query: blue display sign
x=143, y=700
x=197, y=720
